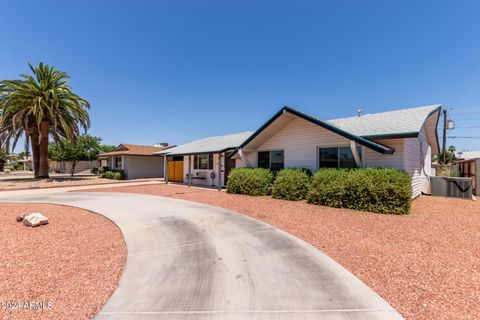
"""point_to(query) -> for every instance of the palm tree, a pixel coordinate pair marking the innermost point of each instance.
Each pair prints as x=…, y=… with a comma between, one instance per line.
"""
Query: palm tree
x=39, y=106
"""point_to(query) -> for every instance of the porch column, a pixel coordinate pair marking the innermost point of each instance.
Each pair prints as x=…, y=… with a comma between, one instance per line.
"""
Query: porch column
x=219, y=175
x=356, y=156
x=165, y=170
x=189, y=170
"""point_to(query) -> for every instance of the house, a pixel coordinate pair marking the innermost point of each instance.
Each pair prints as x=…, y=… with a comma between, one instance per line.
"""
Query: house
x=402, y=139
x=200, y=159
x=468, y=155
x=136, y=161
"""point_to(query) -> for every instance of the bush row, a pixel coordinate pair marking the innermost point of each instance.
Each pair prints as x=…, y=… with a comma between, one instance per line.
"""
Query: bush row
x=367, y=189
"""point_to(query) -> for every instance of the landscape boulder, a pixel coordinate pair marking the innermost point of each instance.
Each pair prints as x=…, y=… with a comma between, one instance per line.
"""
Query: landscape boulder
x=35, y=219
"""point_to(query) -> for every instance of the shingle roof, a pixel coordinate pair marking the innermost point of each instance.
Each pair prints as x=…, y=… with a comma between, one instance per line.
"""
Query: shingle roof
x=133, y=150
x=209, y=145
x=404, y=121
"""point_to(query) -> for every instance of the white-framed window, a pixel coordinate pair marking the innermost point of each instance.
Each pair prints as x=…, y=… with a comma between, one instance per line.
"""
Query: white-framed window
x=203, y=161
x=337, y=157
x=118, y=162
x=273, y=160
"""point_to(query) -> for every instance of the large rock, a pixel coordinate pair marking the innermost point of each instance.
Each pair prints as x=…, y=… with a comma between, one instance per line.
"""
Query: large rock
x=35, y=219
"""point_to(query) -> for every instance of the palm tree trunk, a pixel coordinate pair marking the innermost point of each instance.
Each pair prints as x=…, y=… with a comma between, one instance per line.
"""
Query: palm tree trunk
x=43, y=168
x=35, y=154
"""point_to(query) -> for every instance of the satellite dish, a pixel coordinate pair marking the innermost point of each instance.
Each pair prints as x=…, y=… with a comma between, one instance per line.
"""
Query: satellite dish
x=450, y=124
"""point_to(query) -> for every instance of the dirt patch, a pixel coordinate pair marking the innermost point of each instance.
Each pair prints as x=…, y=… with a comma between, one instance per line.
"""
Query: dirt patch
x=426, y=264
x=64, y=270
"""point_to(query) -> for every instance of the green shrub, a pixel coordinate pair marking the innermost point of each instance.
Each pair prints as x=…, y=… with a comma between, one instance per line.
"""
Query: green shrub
x=119, y=175
x=367, y=189
x=108, y=175
x=252, y=182
x=292, y=184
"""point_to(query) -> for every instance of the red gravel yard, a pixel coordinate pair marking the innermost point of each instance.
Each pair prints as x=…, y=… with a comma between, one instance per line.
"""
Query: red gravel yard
x=426, y=264
x=64, y=270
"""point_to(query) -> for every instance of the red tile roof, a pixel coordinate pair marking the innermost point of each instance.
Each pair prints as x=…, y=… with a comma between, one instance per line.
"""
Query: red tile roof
x=133, y=150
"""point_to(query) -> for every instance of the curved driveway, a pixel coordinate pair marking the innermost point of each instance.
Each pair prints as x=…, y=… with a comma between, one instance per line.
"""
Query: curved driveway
x=193, y=261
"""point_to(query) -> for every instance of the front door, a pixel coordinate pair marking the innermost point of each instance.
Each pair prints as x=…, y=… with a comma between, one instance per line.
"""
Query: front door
x=175, y=169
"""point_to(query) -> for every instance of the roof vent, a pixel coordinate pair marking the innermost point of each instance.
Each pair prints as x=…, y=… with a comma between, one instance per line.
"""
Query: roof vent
x=161, y=144
x=359, y=112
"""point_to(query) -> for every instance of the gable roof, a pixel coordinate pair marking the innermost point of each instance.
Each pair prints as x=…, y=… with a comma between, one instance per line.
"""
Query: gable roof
x=398, y=123
x=124, y=149
x=363, y=129
x=209, y=145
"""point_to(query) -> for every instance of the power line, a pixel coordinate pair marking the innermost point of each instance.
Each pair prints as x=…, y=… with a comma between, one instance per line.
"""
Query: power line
x=464, y=137
x=466, y=127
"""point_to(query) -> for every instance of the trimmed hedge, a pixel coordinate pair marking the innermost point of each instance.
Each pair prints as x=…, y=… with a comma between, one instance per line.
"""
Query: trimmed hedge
x=252, y=182
x=366, y=189
x=292, y=184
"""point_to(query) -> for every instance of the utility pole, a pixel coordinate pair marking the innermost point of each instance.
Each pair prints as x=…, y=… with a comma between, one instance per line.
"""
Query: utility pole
x=444, y=152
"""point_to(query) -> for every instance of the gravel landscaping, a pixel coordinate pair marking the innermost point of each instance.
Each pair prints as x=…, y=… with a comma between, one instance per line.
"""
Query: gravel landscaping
x=425, y=264
x=66, y=269
x=15, y=182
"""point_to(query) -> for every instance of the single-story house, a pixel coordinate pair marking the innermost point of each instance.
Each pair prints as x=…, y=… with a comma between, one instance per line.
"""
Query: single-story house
x=402, y=139
x=136, y=161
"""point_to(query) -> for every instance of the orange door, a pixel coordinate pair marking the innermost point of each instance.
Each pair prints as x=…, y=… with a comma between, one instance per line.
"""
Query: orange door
x=179, y=171
x=175, y=171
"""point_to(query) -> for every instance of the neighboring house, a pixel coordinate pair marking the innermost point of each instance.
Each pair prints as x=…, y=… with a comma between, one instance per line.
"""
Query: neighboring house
x=66, y=167
x=467, y=155
x=402, y=139
x=200, y=160
x=136, y=161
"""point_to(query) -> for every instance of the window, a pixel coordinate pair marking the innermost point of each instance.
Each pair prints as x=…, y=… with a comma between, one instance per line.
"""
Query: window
x=273, y=160
x=338, y=157
x=118, y=162
x=203, y=161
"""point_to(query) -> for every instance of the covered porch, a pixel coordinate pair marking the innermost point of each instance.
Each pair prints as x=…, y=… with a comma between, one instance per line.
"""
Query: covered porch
x=204, y=162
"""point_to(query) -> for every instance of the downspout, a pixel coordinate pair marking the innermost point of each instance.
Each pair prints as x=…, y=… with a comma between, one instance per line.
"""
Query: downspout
x=356, y=156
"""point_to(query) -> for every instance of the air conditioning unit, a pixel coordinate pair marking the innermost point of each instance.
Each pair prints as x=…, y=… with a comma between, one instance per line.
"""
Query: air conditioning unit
x=454, y=187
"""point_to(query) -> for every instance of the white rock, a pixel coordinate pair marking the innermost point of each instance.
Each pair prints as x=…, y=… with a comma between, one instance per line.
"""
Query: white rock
x=35, y=219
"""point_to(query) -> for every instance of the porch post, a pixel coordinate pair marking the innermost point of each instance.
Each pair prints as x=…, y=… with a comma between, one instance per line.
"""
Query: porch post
x=165, y=169
x=219, y=186
x=189, y=170
x=356, y=156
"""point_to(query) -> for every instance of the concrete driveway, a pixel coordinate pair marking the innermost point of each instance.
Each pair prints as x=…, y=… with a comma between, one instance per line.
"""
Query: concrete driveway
x=193, y=261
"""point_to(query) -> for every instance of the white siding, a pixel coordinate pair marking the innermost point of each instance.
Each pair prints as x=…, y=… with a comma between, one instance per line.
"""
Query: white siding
x=379, y=160
x=417, y=158
x=300, y=140
x=137, y=167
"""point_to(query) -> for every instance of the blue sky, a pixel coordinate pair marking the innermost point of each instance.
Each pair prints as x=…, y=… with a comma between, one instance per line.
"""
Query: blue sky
x=180, y=70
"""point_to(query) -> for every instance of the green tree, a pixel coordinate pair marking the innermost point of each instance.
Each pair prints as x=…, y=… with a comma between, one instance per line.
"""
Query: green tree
x=39, y=106
x=84, y=148
x=3, y=158
x=107, y=148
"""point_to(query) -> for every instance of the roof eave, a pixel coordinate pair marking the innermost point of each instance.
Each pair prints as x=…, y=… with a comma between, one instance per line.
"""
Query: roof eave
x=196, y=153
